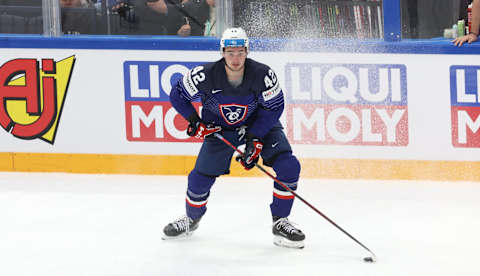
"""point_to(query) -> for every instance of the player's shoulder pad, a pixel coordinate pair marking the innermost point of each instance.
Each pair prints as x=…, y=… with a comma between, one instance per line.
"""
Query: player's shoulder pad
x=268, y=81
x=194, y=79
x=257, y=67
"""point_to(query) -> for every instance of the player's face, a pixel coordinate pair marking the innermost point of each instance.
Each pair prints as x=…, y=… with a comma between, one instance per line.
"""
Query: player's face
x=235, y=57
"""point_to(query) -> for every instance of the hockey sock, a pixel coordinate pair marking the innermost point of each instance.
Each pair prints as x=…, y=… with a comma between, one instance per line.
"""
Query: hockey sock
x=287, y=168
x=197, y=194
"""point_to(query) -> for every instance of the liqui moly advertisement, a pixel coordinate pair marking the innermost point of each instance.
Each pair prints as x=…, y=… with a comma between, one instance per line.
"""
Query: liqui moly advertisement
x=149, y=113
x=465, y=105
x=351, y=104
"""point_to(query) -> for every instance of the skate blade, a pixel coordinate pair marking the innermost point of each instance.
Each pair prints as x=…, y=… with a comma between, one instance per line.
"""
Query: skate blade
x=283, y=242
x=182, y=236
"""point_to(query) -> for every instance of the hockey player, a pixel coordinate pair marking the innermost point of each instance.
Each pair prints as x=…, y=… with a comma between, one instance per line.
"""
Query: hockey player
x=241, y=98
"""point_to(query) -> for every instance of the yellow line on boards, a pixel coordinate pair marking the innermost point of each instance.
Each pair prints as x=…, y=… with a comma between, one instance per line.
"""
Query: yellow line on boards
x=6, y=161
x=178, y=164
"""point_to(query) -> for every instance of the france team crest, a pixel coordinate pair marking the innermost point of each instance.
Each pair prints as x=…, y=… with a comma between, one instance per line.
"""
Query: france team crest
x=233, y=113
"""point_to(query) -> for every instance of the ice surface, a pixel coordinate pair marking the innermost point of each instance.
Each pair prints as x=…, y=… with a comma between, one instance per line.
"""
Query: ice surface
x=72, y=224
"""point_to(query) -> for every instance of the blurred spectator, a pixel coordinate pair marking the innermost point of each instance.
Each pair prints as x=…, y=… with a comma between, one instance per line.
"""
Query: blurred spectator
x=184, y=17
x=73, y=3
x=77, y=17
x=434, y=16
x=32, y=3
x=138, y=17
x=21, y=16
x=473, y=35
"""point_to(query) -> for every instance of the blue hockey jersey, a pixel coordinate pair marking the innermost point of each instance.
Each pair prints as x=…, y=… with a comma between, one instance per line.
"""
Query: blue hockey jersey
x=257, y=102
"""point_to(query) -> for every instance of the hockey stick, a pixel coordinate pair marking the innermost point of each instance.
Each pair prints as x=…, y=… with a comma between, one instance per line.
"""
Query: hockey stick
x=367, y=259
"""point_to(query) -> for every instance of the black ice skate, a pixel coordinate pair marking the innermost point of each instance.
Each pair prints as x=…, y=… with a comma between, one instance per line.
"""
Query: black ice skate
x=285, y=234
x=181, y=227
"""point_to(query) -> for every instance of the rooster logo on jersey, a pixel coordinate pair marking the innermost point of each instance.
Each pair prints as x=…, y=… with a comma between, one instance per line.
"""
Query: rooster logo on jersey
x=233, y=113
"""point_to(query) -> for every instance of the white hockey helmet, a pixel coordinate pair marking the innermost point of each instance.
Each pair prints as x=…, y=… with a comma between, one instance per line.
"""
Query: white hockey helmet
x=234, y=37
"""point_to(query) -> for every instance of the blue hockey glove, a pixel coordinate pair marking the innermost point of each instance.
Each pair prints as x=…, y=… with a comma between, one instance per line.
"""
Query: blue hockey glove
x=198, y=129
x=253, y=148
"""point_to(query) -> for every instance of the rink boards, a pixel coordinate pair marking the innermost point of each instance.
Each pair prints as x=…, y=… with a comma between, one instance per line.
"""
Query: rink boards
x=382, y=115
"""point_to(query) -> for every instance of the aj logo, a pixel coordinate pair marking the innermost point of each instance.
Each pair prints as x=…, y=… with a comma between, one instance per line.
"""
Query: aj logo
x=233, y=113
x=31, y=99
